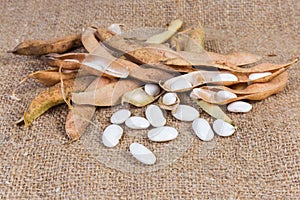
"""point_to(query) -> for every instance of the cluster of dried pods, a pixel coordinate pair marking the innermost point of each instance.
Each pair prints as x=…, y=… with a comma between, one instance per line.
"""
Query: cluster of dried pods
x=116, y=69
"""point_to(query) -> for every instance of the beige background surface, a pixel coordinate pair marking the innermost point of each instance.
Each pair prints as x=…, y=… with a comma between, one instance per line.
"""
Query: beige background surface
x=262, y=160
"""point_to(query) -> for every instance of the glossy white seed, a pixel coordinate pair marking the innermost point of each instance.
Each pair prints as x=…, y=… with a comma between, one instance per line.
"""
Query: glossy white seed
x=137, y=123
x=223, y=128
x=224, y=77
x=152, y=89
x=202, y=129
x=162, y=134
x=180, y=84
x=185, y=113
x=239, y=106
x=169, y=99
x=112, y=135
x=142, y=153
x=224, y=95
x=120, y=116
x=155, y=116
x=255, y=76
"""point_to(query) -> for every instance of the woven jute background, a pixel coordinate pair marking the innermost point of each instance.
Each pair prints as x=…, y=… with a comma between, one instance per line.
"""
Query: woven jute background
x=261, y=160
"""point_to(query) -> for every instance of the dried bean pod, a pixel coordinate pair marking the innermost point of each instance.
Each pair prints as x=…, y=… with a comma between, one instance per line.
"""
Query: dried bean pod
x=41, y=47
x=53, y=96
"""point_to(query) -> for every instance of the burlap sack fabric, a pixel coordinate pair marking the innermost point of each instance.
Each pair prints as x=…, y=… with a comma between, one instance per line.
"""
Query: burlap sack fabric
x=261, y=160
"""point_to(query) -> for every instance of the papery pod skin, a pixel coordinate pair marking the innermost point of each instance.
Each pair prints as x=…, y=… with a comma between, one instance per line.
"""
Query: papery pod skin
x=80, y=116
x=109, y=95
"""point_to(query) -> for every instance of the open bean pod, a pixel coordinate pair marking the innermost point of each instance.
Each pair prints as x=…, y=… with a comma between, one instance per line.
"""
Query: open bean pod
x=191, y=80
x=169, y=106
x=139, y=98
x=225, y=95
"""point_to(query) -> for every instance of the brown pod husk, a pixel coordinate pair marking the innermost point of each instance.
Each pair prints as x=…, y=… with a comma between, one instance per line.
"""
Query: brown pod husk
x=93, y=45
x=52, y=76
x=235, y=58
x=76, y=124
x=204, y=59
x=94, y=64
x=52, y=62
x=269, y=67
x=109, y=95
x=80, y=116
x=104, y=34
x=42, y=47
x=151, y=55
x=207, y=93
x=147, y=74
x=89, y=40
x=143, y=74
x=53, y=96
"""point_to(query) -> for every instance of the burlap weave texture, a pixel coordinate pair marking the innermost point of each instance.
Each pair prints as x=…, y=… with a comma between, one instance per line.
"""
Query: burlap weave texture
x=261, y=160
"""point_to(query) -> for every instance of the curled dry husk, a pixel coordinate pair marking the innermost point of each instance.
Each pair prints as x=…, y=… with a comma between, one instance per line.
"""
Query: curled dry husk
x=173, y=27
x=201, y=77
x=210, y=59
x=146, y=74
x=56, y=63
x=94, y=64
x=150, y=55
x=94, y=45
x=168, y=107
x=41, y=47
x=89, y=40
x=139, y=98
x=206, y=58
x=80, y=116
x=108, y=95
x=214, y=111
x=257, y=91
x=53, y=96
x=214, y=60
